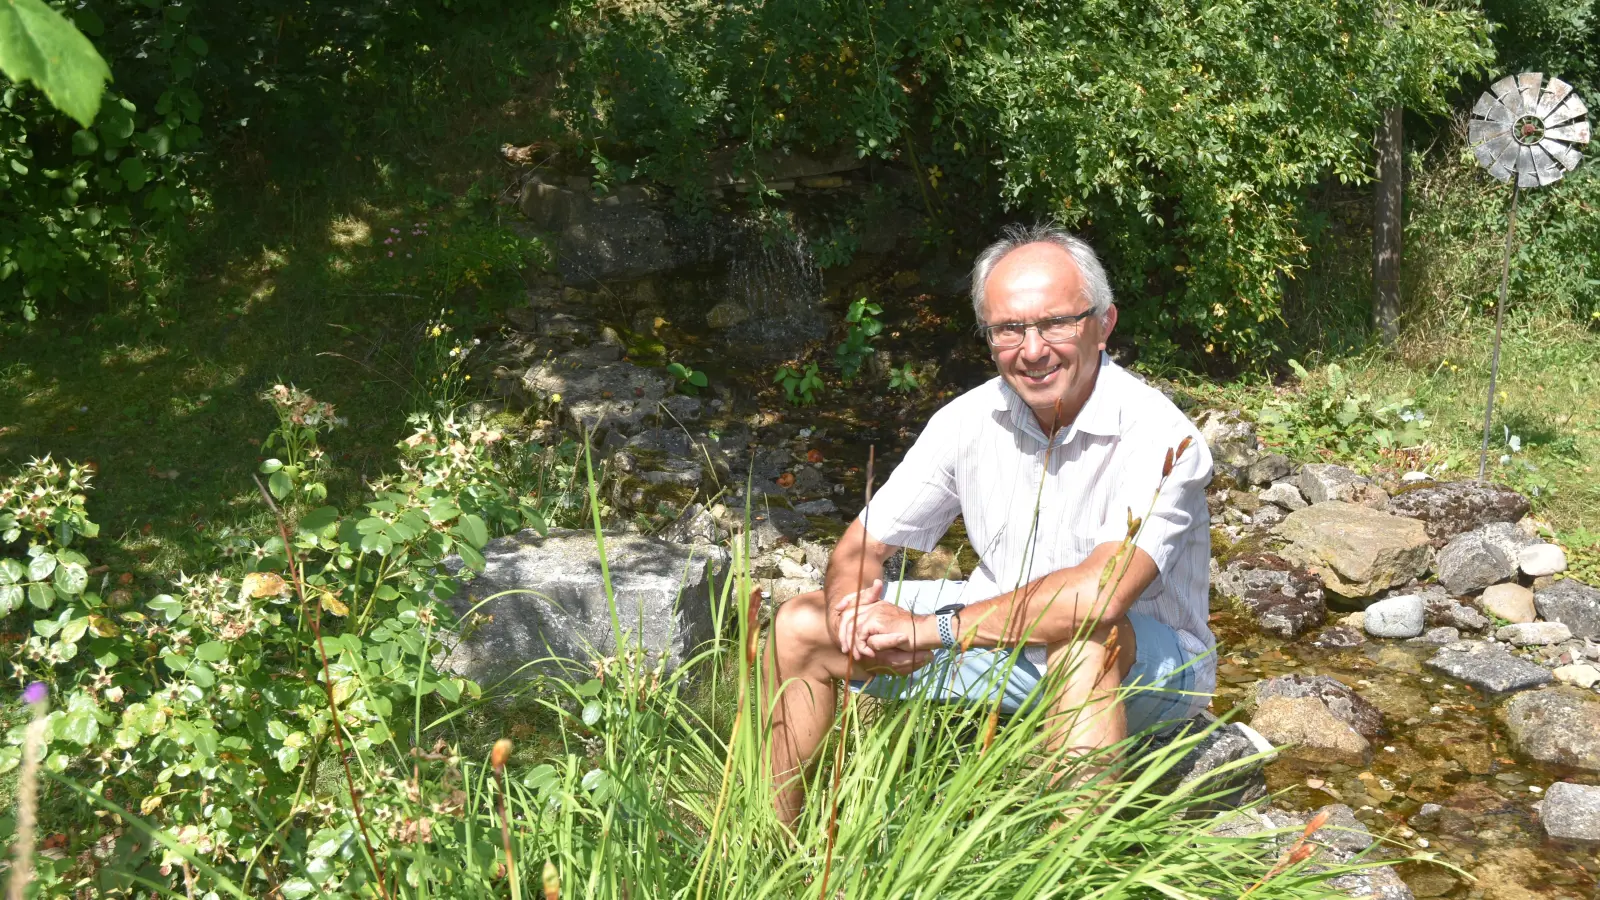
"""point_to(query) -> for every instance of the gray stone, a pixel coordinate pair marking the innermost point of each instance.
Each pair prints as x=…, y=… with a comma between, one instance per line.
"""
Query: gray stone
x=822, y=507
x=559, y=617
x=1443, y=610
x=1356, y=551
x=1455, y=507
x=1267, y=516
x=727, y=314
x=1571, y=812
x=1268, y=469
x=1338, y=637
x=1474, y=560
x=1339, y=841
x=1533, y=634
x=1284, y=494
x=784, y=589
x=1572, y=603
x=1440, y=636
x=1394, y=617
x=597, y=392
x=771, y=527
x=1559, y=725
x=1341, y=700
x=1582, y=675
x=1488, y=666
x=1286, y=601
x=1536, y=560
x=1321, y=482
x=695, y=525
x=682, y=472
x=1231, y=439
x=1511, y=602
x=1221, y=747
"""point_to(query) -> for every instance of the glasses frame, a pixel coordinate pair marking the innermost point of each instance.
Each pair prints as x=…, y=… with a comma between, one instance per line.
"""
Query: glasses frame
x=987, y=331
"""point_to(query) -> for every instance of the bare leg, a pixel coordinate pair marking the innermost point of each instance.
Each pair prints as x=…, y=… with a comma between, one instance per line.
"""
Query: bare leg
x=1088, y=715
x=802, y=665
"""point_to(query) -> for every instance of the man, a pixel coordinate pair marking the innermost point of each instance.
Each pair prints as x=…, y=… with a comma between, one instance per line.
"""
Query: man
x=1046, y=464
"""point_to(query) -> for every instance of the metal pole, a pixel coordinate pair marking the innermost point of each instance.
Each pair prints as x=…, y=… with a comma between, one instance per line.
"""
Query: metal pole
x=1499, y=317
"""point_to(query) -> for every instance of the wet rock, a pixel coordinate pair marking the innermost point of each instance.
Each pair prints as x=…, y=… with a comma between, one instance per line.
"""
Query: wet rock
x=727, y=314
x=1572, y=603
x=1227, y=744
x=1440, y=610
x=1559, y=725
x=1322, y=482
x=1533, y=634
x=1284, y=600
x=1542, y=559
x=822, y=507
x=808, y=481
x=1444, y=634
x=771, y=527
x=1356, y=551
x=621, y=244
x=1511, y=602
x=1571, y=812
x=1341, y=701
x=1488, y=666
x=1284, y=494
x=597, y=391
x=1476, y=559
x=1268, y=469
x=1231, y=439
x=1338, y=637
x=1394, y=617
x=1455, y=507
x=560, y=609
x=1313, y=732
x=1581, y=675
x=1340, y=840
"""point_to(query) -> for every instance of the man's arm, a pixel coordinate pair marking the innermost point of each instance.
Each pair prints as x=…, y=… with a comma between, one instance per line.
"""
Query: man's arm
x=856, y=564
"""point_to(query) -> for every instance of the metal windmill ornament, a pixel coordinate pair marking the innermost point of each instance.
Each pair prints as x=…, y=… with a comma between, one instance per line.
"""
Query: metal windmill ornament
x=1526, y=131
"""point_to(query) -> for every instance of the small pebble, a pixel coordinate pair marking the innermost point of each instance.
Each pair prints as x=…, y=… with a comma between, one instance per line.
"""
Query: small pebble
x=1535, y=789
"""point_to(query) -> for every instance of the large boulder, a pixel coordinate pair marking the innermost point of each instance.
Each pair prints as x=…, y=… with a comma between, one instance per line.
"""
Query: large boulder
x=1454, y=507
x=1573, y=604
x=1285, y=600
x=1483, y=556
x=1559, y=725
x=1322, y=719
x=1571, y=812
x=598, y=390
x=558, y=615
x=1321, y=482
x=1356, y=551
x=1488, y=666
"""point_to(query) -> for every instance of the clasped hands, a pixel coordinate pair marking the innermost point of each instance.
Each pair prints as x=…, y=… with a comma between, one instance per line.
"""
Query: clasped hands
x=880, y=636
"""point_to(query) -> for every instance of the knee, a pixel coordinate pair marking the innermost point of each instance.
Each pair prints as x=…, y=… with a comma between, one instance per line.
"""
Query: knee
x=1108, y=648
x=800, y=634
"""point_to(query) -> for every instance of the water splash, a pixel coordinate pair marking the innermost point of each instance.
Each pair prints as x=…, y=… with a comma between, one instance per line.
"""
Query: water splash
x=773, y=274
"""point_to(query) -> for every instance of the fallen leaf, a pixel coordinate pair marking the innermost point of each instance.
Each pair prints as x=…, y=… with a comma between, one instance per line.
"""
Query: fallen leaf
x=263, y=584
x=335, y=606
x=814, y=456
x=786, y=480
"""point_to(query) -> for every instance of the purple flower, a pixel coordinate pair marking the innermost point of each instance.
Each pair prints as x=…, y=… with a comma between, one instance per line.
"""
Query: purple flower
x=36, y=693
x=391, y=253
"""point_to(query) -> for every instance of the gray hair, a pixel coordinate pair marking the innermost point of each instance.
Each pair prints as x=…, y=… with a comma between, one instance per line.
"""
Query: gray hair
x=1096, y=288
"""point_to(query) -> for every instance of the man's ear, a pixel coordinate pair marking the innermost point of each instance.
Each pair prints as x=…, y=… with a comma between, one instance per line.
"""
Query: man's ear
x=1107, y=323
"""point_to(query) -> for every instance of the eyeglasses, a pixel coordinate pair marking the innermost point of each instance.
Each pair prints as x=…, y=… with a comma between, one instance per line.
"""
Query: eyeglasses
x=1053, y=330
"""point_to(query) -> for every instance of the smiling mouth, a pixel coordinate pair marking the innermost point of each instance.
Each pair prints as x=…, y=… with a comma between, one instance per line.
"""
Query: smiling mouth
x=1039, y=376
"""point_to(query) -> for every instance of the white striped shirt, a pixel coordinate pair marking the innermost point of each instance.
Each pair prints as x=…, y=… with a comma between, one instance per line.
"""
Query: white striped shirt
x=983, y=456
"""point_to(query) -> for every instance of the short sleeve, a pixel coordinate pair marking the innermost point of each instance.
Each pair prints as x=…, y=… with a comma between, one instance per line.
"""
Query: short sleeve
x=915, y=507
x=1178, y=514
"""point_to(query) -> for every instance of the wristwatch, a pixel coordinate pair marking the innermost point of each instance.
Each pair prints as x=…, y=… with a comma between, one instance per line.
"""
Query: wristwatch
x=945, y=617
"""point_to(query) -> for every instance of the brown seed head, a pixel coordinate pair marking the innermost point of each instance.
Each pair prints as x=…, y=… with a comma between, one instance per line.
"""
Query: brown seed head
x=1166, y=467
x=1317, y=821
x=552, y=881
x=500, y=753
x=1302, y=852
x=1182, y=446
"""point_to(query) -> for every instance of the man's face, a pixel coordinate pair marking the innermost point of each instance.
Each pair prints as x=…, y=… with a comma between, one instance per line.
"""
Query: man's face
x=1034, y=282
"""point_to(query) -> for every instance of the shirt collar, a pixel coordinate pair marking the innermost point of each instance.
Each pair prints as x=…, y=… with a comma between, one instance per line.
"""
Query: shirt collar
x=1100, y=414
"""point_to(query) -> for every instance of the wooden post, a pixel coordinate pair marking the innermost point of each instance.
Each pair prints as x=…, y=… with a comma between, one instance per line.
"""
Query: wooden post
x=1386, y=231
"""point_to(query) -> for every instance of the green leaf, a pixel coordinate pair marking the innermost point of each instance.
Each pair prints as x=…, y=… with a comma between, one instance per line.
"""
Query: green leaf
x=319, y=518
x=288, y=758
x=41, y=595
x=280, y=484
x=211, y=651
x=376, y=543
x=268, y=466
x=71, y=579
x=11, y=571
x=168, y=606
x=471, y=557
x=133, y=173
x=296, y=888
x=80, y=727
x=40, y=567
x=10, y=598
x=40, y=45
x=84, y=143
x=471, y=528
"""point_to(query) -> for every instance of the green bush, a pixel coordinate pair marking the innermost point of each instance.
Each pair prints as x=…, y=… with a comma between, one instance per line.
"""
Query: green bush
x=1328, y=416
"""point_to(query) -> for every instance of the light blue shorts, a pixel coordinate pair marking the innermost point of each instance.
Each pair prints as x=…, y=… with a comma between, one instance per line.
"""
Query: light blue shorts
x=1161, y=684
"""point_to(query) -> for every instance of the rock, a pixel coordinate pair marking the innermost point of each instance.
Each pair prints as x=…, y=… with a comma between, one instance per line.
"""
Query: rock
x=1268, y=516
x=1559, y=725
x=1268, y=469
x=1342, y=701
x=1442, y=610
x=1527, y=634
x=1394, y=617
x=663, y=592
x=1343, y=831
x=785, y=588
x=1286, y=601
x=1284, y=494
x=937, y=564
x=1511, y=602
x=1231, y=439
x=549, y=207
x=1313, y=732
x=622, y=243
x=1440, y=636
x=597, y=392
x=1542, y=559
x=695, y=525
x=789, y=568
x=727, y=314
x=1581, y=675
x=1488, y=666
x=1225, y=745
x=809, y=482
x=1244, y=501
x=822, y=507
x=1414, y=477
x=1455, y=507
x=1356, y=551
x=771, y=527
x=1322, y=482
x=1338, y=637
x=817, y=555
x=683, y=472
x=1476, y=559
x=1571, y=603
x=1571, y=812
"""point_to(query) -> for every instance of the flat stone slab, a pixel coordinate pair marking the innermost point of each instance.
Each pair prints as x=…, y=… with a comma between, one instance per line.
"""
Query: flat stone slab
x=1559, y=725
x=1453, y=507
x=1487, y=666
x=1573, y=604
x=1356, y=551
